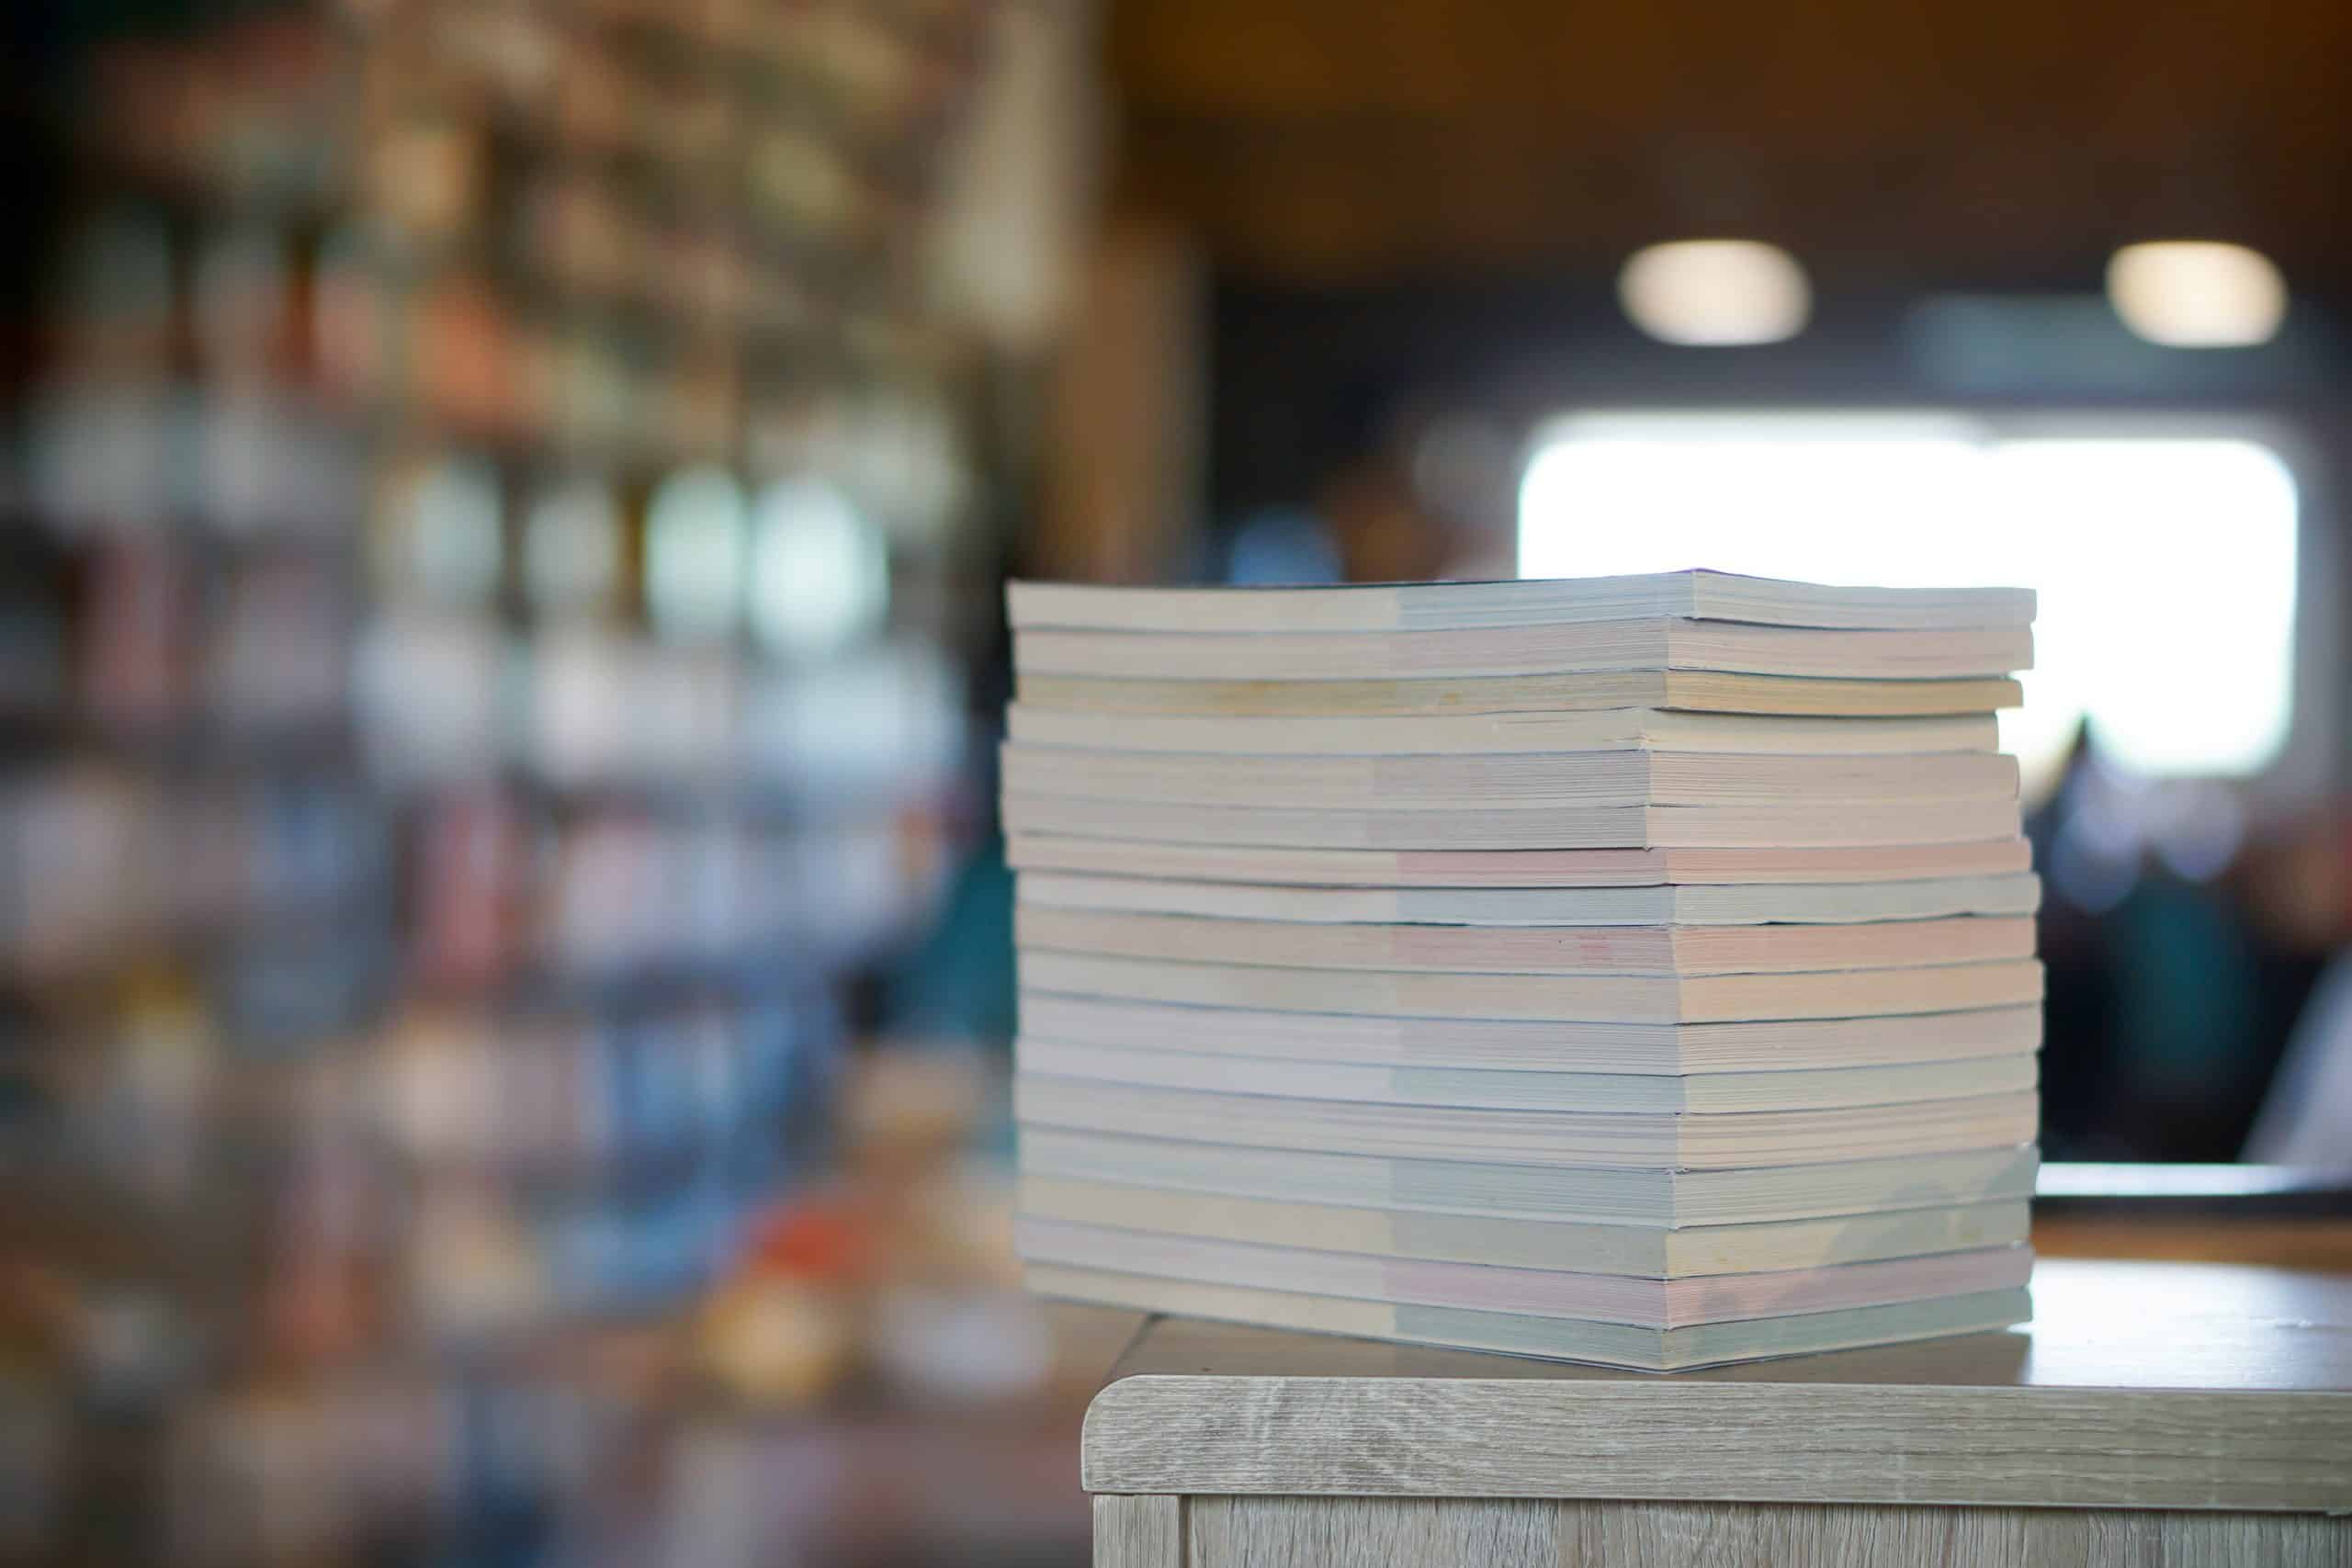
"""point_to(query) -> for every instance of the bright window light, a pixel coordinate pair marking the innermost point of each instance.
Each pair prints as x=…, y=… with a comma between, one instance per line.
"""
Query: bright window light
x=2165, y=568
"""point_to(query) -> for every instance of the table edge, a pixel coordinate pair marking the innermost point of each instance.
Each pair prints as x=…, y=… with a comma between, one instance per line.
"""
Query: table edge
x=2182, y=1448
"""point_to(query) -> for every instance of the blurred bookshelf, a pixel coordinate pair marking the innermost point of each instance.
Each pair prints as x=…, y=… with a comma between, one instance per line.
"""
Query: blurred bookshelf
x=487, y=609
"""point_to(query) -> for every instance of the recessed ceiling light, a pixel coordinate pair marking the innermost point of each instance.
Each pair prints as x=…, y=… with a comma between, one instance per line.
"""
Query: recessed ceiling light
x=2196, y=293
x=1715, y=293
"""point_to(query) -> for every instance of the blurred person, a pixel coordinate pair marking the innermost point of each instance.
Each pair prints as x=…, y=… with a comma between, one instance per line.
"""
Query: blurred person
x=2165, y=1003
x=1423, y=498
x=2301, y=890
x=2306, y=1119
x=1384, y=532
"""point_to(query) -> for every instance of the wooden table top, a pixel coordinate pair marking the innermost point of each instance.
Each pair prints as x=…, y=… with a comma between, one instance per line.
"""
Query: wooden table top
x=2138, y=1385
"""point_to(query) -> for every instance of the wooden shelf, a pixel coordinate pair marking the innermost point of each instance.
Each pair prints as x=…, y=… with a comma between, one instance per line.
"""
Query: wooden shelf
x=2148, y=1385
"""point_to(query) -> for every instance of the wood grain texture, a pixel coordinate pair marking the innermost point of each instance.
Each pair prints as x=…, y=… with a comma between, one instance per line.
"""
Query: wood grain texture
x=2087, y=1448
x=2157, y=1386
x=1386, y=1532
x=1138, y=1532
x=1281, y=1532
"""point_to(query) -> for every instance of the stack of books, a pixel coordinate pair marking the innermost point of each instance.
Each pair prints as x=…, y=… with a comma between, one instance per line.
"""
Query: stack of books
x=1631, y=970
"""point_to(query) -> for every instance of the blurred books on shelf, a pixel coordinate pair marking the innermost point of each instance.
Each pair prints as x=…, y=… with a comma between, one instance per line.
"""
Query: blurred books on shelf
x=487, y=704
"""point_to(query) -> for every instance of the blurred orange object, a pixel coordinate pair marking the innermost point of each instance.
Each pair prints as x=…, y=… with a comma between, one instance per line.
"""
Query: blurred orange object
x=814, y=1238
x=463, y=368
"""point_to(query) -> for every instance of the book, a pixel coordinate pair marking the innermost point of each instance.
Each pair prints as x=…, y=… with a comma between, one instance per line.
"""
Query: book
x=1745, y=1046
x=1561, y=1339
x=1592, y=998
x=1683, y=1301
x=1439, y=783
x=1668, y=1200
x=1825, y=903
x=1389, y=606
x=1548, y=869
x=1636, y=970
x=1666, y=950
x=1599, y=729
x=1647, y=1251
x=1809, y=1089
x=1531, y=1137
x=1802, y=824
x=1656, y=644
x=1687, y=691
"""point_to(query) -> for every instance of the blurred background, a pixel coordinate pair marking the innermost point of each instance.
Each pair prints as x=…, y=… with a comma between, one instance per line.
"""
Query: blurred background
x=504, y=988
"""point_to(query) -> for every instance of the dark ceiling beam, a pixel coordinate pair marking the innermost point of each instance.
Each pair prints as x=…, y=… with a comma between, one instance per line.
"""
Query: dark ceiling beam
x=2003, y=141
x=1346, y=204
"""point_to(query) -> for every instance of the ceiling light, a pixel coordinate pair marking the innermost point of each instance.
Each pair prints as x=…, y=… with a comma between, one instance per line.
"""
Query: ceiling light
x=1715, y=293
x=2196, y=293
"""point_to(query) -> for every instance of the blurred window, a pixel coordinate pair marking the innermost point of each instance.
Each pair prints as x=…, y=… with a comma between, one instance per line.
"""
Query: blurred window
x=2166, y=567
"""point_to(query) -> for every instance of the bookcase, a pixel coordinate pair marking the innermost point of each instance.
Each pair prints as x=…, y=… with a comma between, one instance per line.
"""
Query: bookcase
x=488, y=641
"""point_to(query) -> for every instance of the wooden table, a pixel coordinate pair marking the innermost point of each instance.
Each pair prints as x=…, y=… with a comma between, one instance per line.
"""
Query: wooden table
x=2155, y=1414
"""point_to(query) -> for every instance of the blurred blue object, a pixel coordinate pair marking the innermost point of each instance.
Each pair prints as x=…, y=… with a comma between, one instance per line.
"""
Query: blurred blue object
x=1281, y=545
